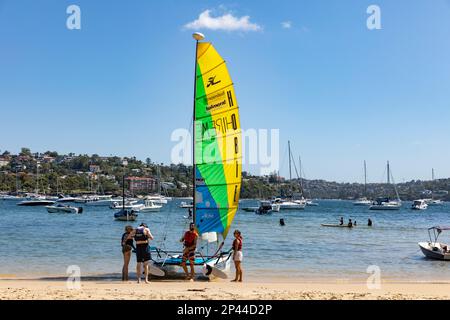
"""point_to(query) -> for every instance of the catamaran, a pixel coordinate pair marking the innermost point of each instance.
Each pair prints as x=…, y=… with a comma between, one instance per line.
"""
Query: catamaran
x=216, y=165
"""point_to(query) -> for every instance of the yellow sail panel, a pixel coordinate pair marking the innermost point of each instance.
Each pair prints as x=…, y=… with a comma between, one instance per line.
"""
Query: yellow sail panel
x=217, y=145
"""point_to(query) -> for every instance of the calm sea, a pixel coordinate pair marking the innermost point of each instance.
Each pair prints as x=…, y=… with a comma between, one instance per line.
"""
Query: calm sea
x=36, y=243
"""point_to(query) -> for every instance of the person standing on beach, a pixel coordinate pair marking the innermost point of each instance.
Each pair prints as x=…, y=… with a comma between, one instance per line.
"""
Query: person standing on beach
x=127, y=246
x=190, y=244
x=237, y=255
x=142, y=236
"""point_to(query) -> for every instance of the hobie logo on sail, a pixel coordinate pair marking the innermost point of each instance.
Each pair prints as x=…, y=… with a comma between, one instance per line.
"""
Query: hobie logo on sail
x=211, y=81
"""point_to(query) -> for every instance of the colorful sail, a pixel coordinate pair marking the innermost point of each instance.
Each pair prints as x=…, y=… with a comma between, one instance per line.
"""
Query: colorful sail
x=217, y=148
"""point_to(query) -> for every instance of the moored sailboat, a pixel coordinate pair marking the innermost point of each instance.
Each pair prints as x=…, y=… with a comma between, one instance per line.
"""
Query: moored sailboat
x=385, y=203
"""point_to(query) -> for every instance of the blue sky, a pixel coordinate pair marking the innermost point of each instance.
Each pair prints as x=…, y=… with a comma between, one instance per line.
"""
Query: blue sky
x=340, y=92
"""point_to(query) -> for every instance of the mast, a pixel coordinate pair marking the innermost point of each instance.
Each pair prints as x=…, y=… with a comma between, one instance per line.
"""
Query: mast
x=432, y=174
x=365, y=178
x=300, y=168
x=388, y=173
x=197, y=36
x=290, y=171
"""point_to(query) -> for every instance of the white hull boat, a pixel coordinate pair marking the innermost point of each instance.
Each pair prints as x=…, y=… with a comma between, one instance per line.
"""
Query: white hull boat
x=362, y=202
x=59, y=208
x=419, y=205
x=150, y=206
x=433, y=249
x=385, y=204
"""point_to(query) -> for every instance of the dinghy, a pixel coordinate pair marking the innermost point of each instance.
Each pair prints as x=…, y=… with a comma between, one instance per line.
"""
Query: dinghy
x=434, y=249
x=216, y=166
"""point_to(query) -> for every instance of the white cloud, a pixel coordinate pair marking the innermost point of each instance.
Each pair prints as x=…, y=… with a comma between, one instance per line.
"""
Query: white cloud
x=286, y=24
x=226, y=22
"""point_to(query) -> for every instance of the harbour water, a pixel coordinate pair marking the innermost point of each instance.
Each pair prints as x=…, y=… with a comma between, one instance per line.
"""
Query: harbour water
x=34, y=243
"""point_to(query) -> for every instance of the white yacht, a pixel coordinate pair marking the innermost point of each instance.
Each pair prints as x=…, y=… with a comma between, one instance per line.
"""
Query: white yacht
x=362, y=202
x=96, y=200
x=150, y=206
x=419, y=205
x=289, y=205
x=129, y=205
x=385, y=203
x=60, y=208
x=158, y=199
x=434, y=202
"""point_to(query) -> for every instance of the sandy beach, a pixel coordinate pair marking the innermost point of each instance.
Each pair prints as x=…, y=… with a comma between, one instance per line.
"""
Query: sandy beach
x=26, y=289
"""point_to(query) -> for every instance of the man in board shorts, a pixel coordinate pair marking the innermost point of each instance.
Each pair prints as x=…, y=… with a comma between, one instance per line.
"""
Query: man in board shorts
x=189, y=240
x=142, y=236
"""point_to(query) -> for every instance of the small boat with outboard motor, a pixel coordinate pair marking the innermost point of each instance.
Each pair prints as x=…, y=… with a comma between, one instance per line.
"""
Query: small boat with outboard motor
x=434, y=249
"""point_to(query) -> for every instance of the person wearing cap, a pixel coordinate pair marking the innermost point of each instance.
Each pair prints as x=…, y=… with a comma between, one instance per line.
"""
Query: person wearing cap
x=142, y=237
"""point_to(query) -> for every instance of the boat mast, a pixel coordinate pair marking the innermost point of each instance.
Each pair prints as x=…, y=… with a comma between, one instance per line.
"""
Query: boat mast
x=388, y=173
x=432, y=174
x=290, y=171
x=197, y=36
x=365, y=178
x=300, y=168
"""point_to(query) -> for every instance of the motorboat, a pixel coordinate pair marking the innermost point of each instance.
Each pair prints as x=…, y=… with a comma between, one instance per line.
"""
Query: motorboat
x=125, y=215
x=419, y=205
x=289, y=205
x=150, y=206
x=129, y=204
x=386, y=204
x=96, y=200
x=9, y=197
x=36, y=200
x=362, y=202
x=185, y=205
x=265, y=207
x=434, y=202
x=157, y=199
x=63, y=198
x=61, y=208
x=434, y=249
x=311, y=203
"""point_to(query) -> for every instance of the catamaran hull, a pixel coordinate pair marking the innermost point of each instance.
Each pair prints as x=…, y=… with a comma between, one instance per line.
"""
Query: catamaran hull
x=202, y=270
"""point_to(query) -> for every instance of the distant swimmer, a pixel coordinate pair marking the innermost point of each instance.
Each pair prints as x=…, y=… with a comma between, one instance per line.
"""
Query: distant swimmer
x=354, y=223
x=350, y=223
x=369, y=222
x=341, y=221
x=282, y=222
